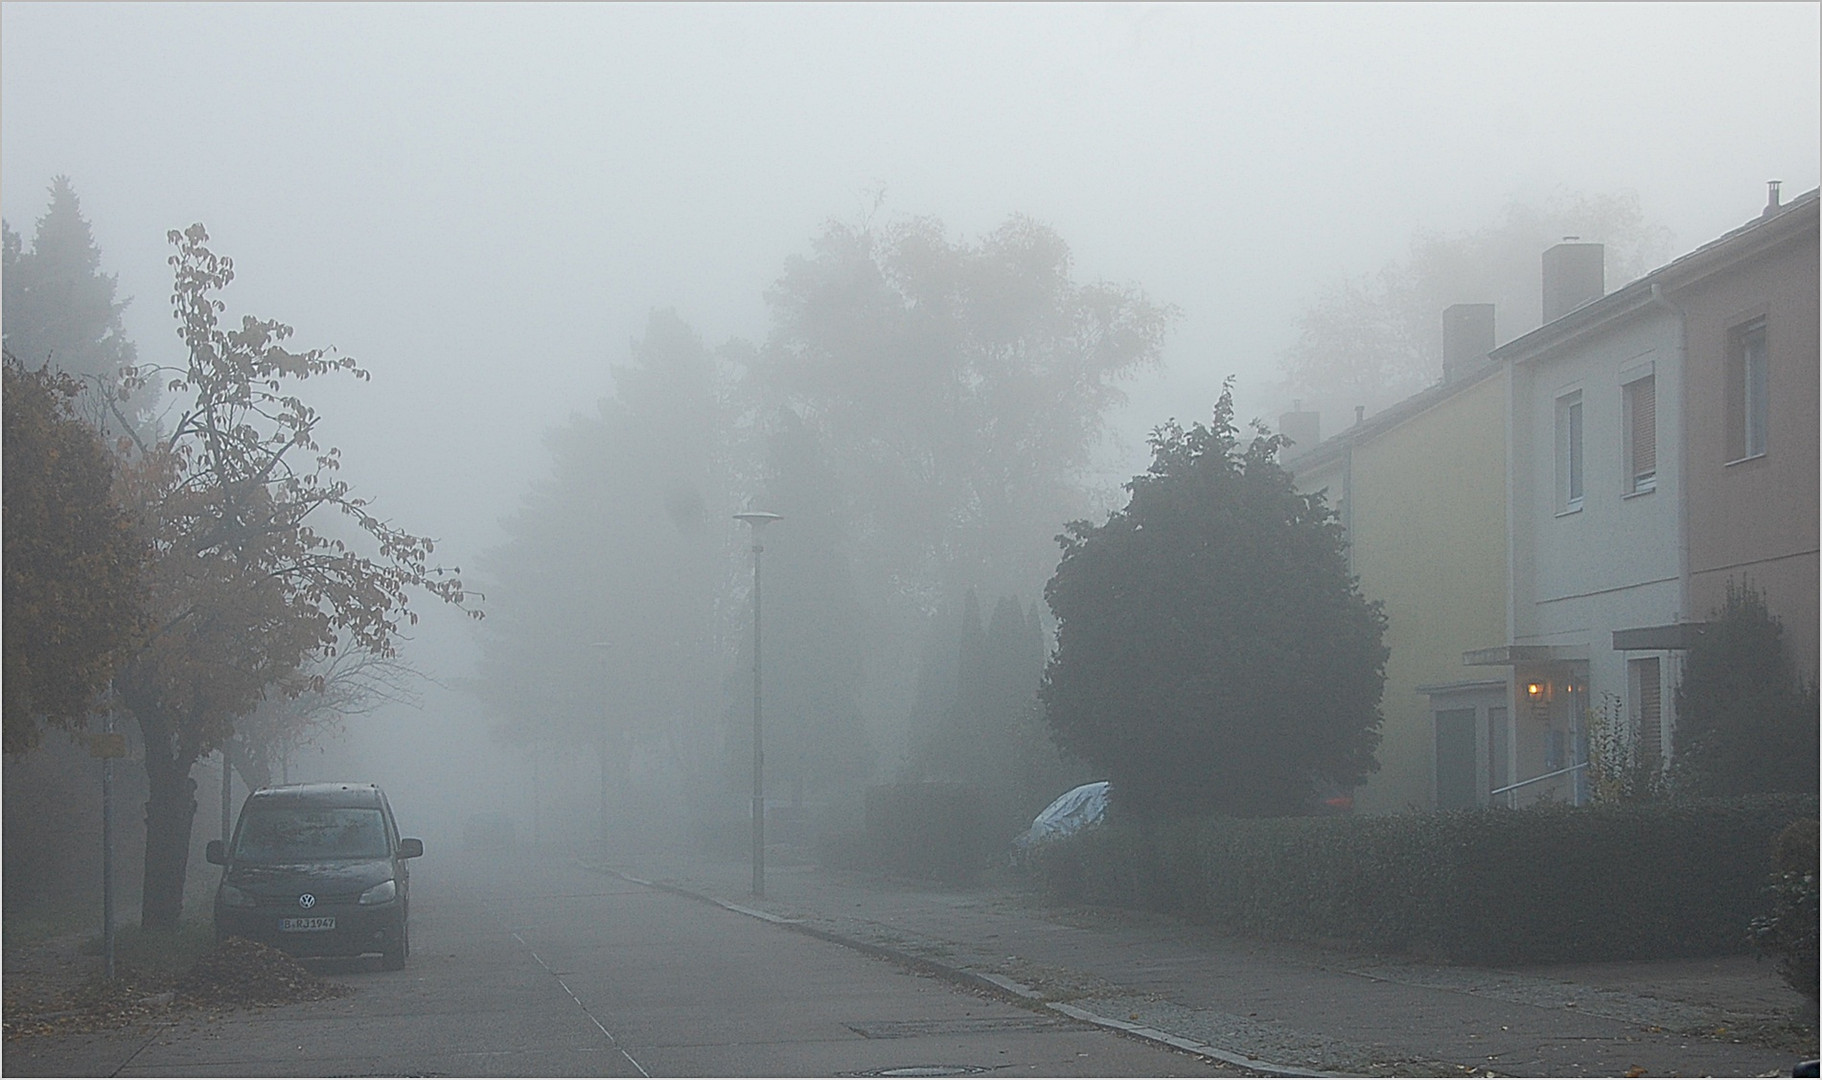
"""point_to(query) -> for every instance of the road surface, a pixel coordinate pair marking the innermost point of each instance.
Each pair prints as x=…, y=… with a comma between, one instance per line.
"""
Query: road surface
x=529, y=968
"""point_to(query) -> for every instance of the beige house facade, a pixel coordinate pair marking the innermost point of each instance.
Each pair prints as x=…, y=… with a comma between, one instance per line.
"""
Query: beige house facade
x=1420, y=490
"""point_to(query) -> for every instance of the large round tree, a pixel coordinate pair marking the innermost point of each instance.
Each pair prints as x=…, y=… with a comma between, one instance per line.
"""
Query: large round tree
x=72, y=562
x=1213, y=652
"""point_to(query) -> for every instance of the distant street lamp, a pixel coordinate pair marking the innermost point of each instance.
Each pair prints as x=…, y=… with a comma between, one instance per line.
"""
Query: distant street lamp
x=601, y=747
x=758, y=519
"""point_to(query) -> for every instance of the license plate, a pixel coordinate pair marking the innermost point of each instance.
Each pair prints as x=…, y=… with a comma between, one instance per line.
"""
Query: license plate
x=313, y=922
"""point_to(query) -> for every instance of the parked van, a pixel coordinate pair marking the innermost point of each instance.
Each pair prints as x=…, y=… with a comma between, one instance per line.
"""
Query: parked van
x=317, y=870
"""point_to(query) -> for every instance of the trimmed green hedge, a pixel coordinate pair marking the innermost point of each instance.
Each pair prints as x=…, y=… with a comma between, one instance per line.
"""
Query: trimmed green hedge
x=1548, y=884
x=927, y=830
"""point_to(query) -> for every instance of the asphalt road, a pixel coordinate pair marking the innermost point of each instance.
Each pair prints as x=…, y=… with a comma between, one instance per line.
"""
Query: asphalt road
x=524, y=968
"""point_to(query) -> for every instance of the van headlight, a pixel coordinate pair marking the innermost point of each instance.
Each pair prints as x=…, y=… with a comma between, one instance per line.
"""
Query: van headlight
x=384, y=892
x=233, y=897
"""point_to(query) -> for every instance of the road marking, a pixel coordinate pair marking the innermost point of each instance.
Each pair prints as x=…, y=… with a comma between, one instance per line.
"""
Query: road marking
x=615, y=1043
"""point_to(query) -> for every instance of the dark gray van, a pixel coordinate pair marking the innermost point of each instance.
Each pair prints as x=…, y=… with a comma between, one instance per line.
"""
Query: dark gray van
x=317, y=870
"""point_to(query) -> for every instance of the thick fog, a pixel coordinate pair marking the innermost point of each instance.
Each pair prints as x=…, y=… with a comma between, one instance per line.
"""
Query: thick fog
x=486, y=205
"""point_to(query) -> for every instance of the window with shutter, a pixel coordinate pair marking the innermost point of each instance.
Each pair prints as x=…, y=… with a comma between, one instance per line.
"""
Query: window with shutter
x=1647, y=709
x=1641, y=434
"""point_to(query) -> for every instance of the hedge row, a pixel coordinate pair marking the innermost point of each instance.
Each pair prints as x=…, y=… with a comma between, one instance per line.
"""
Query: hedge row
x=927, y=830
x=1548, y=884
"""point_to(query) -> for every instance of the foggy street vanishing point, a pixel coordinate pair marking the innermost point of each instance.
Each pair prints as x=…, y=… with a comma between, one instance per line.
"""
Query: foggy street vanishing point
x=910, y=540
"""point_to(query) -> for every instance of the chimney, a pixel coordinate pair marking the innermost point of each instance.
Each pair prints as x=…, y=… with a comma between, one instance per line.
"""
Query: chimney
x=1359, y=415
x=1467, y=338
x=1303, y=429
x=1574, y=274
x=1772, y=199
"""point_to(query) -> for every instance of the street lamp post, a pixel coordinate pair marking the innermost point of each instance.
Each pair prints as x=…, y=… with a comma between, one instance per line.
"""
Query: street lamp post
x=601, y=747
x=758, y=519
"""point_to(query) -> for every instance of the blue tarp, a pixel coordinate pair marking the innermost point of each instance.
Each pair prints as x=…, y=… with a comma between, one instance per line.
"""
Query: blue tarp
x=1074, y=811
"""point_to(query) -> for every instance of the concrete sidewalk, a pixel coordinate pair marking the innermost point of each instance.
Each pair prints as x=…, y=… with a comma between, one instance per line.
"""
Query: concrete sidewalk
x=1280, y=1009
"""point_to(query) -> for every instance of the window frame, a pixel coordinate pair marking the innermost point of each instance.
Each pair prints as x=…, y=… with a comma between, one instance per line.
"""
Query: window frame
x=1638, y=482
x=1571, y=451
x=1747, y=398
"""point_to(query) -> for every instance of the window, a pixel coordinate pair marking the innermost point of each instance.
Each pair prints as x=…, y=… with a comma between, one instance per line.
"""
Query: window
x=278, y=834
x=1569, y=451
x=1641, y=404
x=1647, y=709
x=1748, y=391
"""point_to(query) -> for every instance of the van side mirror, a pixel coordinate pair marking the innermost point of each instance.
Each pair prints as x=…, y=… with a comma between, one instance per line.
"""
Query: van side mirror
x=216, y=853
x=411, y=849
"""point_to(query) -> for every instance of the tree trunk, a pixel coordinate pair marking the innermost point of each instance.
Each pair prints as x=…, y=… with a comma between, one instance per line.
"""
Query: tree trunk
x=170, y=815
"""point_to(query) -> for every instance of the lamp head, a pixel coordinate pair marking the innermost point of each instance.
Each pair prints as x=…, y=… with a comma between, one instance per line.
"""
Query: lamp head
x=757, y=518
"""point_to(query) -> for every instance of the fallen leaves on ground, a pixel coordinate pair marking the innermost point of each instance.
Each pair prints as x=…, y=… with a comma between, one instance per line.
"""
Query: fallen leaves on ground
x=235, y=973
x=242, y=972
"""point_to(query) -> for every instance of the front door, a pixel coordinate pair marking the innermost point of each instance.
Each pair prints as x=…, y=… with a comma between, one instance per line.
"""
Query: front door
x=1455, y=759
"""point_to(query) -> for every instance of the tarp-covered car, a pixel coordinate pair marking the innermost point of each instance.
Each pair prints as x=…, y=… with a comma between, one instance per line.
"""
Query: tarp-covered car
x=1073, y=811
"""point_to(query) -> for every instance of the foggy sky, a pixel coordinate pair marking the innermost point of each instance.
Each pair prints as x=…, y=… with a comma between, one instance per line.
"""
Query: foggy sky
x=482, y=204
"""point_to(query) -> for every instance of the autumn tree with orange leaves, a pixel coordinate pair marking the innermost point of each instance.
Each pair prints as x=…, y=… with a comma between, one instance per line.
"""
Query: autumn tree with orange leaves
x=72, y=560
x=263, y=558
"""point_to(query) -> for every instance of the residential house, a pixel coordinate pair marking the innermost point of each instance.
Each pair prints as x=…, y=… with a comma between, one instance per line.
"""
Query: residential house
x=1642, y=477
x=1420, y=489
x=1752, y=451
x=1572, y=508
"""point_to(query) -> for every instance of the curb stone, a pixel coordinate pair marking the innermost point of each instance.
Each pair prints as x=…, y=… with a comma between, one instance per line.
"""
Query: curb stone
x=995, y=985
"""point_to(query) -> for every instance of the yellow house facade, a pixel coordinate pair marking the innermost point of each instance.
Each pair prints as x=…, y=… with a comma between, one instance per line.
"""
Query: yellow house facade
x=1421, y=490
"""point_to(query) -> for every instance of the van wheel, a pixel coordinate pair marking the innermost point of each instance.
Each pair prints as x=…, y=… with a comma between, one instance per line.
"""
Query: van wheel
x=393, y=959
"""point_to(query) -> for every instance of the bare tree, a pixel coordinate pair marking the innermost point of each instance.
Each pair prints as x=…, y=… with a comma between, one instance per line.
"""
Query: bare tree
x=345, y=685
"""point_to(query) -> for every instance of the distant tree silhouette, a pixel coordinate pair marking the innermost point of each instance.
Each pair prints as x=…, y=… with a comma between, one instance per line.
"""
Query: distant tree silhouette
x=1376, y=338
x=602, y=600
x=991, y=732
x=816, y=633
x=959, y=389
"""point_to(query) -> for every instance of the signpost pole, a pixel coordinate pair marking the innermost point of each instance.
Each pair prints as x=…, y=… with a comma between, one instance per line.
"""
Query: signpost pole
x=107, y=843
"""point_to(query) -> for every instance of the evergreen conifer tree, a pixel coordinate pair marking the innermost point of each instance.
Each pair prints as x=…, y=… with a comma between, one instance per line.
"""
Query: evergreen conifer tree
x=61, y=310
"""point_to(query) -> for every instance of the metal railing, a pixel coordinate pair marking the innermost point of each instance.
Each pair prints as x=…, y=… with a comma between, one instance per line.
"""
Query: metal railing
x=1509, y=788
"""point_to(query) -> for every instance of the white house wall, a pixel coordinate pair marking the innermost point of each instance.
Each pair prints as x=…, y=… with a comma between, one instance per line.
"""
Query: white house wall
x=1614, y=563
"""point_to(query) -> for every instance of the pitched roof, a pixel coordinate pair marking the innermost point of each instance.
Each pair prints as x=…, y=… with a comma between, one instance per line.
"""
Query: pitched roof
x=1764, y=231
x=1387, y=418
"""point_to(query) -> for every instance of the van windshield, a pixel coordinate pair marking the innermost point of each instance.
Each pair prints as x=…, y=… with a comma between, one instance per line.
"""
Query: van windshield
x=310, y=834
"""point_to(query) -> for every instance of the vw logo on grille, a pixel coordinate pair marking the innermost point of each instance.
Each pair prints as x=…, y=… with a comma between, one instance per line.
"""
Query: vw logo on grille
x=306, y=901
